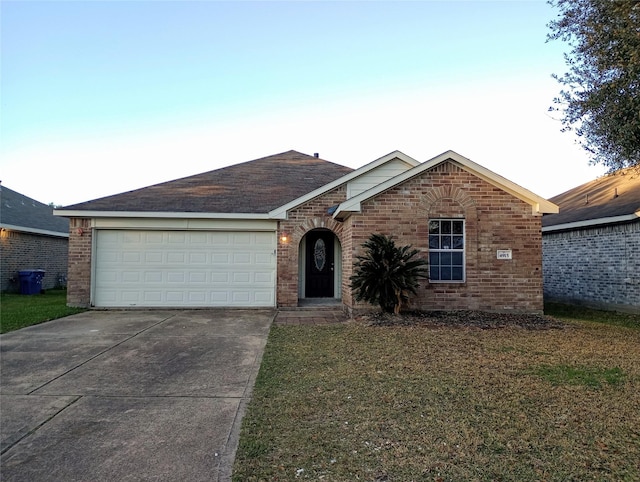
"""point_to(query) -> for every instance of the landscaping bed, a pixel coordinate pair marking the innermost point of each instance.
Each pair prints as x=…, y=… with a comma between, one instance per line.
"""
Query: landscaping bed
x=460, y=319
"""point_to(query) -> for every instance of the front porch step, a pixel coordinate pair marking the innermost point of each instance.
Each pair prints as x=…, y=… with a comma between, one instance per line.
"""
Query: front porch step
x=311, y=315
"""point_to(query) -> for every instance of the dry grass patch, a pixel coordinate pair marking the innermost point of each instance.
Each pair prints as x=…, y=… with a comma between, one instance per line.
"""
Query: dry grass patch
x=423, y=402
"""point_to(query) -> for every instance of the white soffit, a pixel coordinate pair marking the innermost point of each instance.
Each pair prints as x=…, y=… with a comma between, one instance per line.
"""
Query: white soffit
x=538, y=204
x=592, y=222
x=44, y=232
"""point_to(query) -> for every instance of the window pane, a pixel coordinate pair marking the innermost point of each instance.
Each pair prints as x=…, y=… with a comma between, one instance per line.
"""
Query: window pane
x=446, y=249
x=456, y=259
x=445, y=259
x=434, y=258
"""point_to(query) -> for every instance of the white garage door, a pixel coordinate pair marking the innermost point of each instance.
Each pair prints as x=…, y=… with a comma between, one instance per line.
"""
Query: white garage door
x=184, y=268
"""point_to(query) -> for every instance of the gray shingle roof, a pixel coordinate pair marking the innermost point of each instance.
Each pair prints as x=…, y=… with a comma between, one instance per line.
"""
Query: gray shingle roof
x=19, y=210
x=617, y=194
x=253, y=187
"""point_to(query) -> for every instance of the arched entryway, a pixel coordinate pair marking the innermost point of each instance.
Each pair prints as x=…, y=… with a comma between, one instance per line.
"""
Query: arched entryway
x=320, y=266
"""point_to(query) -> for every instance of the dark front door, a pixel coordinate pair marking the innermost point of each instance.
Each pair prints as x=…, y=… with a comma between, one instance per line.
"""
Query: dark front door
x=319, y=266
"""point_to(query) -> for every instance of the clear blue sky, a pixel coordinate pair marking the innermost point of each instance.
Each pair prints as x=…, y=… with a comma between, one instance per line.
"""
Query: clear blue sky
x=102, y=97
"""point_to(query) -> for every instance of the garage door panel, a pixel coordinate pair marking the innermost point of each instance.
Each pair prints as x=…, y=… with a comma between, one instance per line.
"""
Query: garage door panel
x=156, y=268
x=152, y=296
x=198, y=258
x=197, y=277
x=264, y=277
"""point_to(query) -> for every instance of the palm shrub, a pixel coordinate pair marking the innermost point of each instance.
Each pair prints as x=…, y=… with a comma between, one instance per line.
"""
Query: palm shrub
x=386, y=274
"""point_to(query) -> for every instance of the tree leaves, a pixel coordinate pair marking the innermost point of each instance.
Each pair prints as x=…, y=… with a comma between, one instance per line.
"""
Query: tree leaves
x=600, y=100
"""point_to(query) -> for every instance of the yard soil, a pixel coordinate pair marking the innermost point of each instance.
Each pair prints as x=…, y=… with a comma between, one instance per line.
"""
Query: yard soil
x=462, y=319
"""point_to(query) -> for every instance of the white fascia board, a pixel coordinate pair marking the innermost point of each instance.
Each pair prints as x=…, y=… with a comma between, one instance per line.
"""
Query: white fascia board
x=186, y=224
x=592, y=222
x=281, y=212
x=24, y=229
x=539, y=204
x=163, y=215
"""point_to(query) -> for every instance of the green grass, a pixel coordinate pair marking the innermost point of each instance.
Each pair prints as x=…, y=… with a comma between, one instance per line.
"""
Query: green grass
x=586, y=376
x=574, y=312
x=415, y=403
x=18, y=311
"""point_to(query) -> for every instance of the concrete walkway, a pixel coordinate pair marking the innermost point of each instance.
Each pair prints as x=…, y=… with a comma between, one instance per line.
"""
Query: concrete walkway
x=128, y=395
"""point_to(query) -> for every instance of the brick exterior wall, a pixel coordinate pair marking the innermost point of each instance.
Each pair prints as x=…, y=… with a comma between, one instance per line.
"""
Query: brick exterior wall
x=80, y=241
x=596, y=266
x=301, y=220
x=493, y=219
x=21, y=251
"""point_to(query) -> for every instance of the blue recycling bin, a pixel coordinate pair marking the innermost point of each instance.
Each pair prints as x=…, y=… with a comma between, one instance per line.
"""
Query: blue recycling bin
x=31, y=281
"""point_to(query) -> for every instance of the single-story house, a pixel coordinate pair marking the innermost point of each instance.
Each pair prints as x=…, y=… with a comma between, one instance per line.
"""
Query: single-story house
x=286, y=229
x=31, y=237
x=591, y=249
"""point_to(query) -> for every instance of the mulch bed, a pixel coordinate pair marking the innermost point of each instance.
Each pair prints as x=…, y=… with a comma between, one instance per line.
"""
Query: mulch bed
x=462, y=319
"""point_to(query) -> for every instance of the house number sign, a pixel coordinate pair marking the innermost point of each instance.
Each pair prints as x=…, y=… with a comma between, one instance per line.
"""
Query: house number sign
x=503, y=254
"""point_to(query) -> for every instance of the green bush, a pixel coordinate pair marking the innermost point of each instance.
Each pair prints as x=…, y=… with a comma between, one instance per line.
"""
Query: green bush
x=386, y=274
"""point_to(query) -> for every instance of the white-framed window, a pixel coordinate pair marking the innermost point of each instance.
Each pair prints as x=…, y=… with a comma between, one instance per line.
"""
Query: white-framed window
x=446, y=250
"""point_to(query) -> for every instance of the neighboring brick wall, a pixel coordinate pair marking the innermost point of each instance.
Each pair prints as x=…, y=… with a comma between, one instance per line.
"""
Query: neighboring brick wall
x=301, y=220
x=21, y=251
x=494, y=220
x=597, y=266
x=79, y=284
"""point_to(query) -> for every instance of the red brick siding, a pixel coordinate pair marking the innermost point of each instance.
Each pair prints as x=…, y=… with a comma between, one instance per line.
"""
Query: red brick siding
x=304, y=218
x=494, y=220
x=21, y=251
x=79, y=284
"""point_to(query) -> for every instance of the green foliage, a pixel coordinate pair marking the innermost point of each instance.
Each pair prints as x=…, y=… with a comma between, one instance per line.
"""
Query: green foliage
x=585, y=376
x=600, y=100
x=387, y=273
x=575, y=312
x=19, y=311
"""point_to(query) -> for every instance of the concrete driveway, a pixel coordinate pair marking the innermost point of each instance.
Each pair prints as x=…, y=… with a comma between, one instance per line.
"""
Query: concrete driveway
x=128, y=395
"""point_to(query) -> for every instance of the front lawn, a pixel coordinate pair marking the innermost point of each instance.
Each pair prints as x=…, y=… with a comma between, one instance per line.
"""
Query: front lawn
x=18, y=311
x=438, y=403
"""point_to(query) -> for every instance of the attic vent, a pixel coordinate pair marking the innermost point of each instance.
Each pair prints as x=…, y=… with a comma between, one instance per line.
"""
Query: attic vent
x=316, y=154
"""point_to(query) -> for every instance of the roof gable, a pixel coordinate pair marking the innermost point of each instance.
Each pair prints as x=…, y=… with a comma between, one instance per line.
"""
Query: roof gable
x=611, y=198
x=21, y=213
x=362, y=172
x=539, y=205
x=253, y=187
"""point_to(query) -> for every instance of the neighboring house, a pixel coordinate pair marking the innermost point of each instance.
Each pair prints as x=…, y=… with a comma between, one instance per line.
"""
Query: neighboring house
x=592, y=247
x=287, y=228
x=31, y=237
